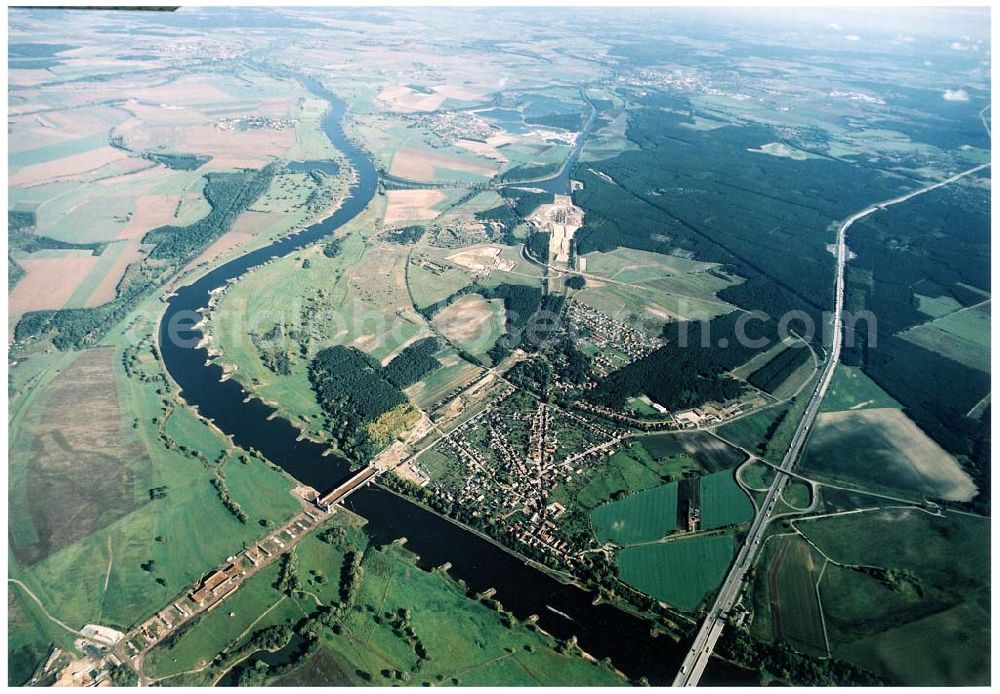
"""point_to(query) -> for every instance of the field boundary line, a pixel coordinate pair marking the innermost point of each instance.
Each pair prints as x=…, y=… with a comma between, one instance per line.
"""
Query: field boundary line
x=819, y=603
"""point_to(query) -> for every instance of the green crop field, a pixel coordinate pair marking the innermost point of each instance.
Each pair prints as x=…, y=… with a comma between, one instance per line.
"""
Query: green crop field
x=791, y=581
x=642, y=517
x=680, y=572
x=852, y=389
x=629, y=470
x=963, y=336
x=722, y=501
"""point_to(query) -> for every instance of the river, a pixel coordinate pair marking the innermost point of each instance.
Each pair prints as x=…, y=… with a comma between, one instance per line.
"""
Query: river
x=562, y=610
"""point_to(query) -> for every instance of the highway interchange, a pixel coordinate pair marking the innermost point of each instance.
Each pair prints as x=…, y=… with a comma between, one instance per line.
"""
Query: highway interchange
x=697, y=658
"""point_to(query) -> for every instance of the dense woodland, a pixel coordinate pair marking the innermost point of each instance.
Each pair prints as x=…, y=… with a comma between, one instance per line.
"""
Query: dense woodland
x=413, y=363
x=353, y=389
x=937, y=246
x=687, y=371
x=767, y=219
x=775, y=371
x=228, y=194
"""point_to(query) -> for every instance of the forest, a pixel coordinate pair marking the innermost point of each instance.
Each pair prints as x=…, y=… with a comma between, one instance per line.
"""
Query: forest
x=767, y=219
x=936, y=246
x=774, y=372
x=683, y=373
x=413, y=363
x=353, y=389
x=228, y=194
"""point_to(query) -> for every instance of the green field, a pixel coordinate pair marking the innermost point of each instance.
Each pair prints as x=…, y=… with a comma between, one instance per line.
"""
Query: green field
x=642, y=517
x=722, y=501
x=791, y=585
x=680, y=572
x=757, y=475
x=242, y=611
x=852, y=389
x=751, y=432
x=97, y=578
x=884, y=449
x=901, y=628
x=963, y=336
x=796, y=494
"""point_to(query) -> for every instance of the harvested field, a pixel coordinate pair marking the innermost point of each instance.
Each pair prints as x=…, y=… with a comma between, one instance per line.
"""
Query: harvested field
x=472, y=322
x=124, y=255
x=405, y=100
x=412, y=205
x=476, y=259
x=421, y=164
x=151, y=211
x=79, y=473
x=49, y=282
x=66, y=167
x=884, y=447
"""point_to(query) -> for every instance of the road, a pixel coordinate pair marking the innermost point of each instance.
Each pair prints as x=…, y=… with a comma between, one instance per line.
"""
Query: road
x=729, y=593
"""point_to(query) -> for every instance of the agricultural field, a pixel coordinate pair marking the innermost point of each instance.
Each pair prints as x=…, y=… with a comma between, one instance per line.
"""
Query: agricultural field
x=472, y=322
x=899, y=624
x=681, y=572
x=723, y=503
x=86, y=567
x=643, y=517
x=883, y=447
x=963, y=336
x=852, y=389
x=652, y=288
x=755, y=431
x=786, y=596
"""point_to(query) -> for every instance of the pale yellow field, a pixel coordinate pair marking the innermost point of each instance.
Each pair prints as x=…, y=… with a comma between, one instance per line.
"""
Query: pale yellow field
x=420, y=164
x=412, y=205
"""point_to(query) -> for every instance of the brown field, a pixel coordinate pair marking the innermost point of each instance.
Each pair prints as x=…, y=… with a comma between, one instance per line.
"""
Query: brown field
x=471, y=321
x=230, y=150
x=418, y=164
x=67, y=167
x=489, y=149
x=48, y=283
x=412, y=205
x=80, y=469
x=151, y=211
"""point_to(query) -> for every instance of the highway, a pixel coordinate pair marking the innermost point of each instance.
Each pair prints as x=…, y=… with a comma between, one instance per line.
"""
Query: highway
x=708, y=635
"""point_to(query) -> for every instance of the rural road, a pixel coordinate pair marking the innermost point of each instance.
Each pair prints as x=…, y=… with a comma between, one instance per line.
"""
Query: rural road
x=711, y=629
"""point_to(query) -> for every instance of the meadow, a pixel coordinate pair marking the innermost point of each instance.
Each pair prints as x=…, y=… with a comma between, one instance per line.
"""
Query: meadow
x=927, y=624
